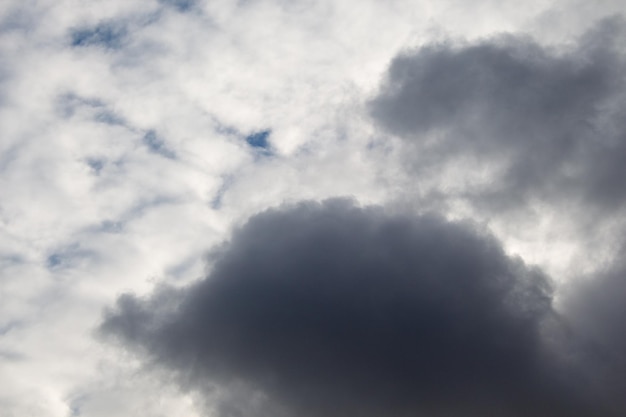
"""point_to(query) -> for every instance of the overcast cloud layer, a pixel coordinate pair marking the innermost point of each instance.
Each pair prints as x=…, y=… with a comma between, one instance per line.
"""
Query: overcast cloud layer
x=481, y=147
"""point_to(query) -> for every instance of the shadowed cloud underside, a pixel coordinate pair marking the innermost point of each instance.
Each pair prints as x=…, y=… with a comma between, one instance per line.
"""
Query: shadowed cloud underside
x=327, y=309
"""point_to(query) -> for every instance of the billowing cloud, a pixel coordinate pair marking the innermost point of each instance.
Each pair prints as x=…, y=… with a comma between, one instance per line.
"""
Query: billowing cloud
x=529, y=122
x=134, y=135
x=547, y=120
x=327, y=309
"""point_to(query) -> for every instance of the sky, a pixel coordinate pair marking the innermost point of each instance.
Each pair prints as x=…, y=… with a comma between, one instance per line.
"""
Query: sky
x=270, y=208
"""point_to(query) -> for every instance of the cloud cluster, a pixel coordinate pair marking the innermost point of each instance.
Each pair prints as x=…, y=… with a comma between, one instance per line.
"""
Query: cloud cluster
x=134, y=134
x=331, y=309
x=546, y=123
x=328, y=309
x=547, y=120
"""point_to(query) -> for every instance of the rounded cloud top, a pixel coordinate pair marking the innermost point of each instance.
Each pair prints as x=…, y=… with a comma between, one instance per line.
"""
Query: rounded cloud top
x=331, y=309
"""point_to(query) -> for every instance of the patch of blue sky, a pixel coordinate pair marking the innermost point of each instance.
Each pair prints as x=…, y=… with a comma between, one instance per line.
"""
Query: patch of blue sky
x=157, y=145
x=109, y=35
x=69, y=104
x=217, y=200
x=180, y=5
x=95, y=164
x=109, y=226
x=259, y=139
x=67, y=257
x=113, y=226
x=54, y=260
x=222, y=128
x=110, y=118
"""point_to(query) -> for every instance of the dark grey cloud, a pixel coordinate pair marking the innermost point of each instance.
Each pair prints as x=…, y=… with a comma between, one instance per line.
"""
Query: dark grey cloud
x=327, y=309
x=595, y=306
x=553, y=117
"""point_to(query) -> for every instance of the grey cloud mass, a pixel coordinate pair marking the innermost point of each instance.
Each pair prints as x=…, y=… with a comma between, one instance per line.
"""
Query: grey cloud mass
x=550, y=122
x=596, y=310
x=553, y=117
x=327, y=309
x=136, y=136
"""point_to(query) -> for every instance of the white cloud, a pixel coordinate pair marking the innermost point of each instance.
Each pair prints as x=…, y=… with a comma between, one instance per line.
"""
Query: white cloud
x=90, y=208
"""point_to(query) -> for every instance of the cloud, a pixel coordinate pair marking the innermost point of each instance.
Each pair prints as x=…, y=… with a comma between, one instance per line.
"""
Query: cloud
x=510, y=123
x=94, y=205
x=547, y=120
x=330, y=309
x=594, y=305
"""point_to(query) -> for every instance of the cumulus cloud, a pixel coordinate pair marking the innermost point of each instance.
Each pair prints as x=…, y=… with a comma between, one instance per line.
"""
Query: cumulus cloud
x=331, y=309
x=525, y=125
x=134, y=134
x=547, y=119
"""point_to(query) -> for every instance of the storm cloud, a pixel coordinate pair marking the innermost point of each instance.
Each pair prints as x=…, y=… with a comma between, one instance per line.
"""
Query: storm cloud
x=329, y=309
x=595, y=308
x=548, y=119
